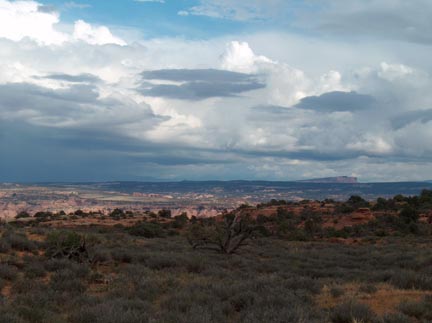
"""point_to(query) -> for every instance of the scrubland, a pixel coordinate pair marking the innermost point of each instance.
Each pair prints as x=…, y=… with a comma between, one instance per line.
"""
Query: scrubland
x=288, y=271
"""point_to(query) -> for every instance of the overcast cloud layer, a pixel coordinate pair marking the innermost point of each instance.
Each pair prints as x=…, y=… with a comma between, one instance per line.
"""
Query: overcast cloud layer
x=332, y=88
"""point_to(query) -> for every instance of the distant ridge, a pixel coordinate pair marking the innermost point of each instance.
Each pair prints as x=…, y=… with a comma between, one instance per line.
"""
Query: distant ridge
x=336, y=180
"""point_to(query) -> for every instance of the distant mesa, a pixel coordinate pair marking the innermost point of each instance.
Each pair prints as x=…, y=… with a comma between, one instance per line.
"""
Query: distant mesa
x=333, y=180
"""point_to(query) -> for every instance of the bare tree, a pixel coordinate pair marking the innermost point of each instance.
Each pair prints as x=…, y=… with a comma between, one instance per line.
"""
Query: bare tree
x=69, y=245
x=226, y=236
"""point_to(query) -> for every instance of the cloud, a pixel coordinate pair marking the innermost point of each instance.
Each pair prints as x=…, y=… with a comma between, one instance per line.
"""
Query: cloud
x=287, y=85
x=239, y=57
x=228, y=107
x=337, y=101
x=95, y=35
x=382, y=19
x=198, y=84
x=76, y=107
x=385, y=19
x=30, y=19
x=420, y=116
x=183, y=13
x=81, y=78
x=26, y=19
x=241, y=10
x=76, y=5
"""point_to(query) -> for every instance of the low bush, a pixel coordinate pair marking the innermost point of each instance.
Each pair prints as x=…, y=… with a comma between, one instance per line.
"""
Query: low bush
x=160, y=262
x=408, y=279
x=122, y=255
x=67, y=245
x=5, y=246
x=18, y=241
x=368, y=289
x=422, y=310
x=395, y=318
x=8, y=272
x=35, y=269
x=350, y=312
x=113, y=311
x=336, y=292
x=67, y=281
x=147, y=230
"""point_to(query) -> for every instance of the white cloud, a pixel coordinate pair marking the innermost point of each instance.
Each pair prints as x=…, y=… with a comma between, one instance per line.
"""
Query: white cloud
x=183, y=13
x=24, y=19
x=95, y=35
x=241, y=10
x=392, y=72
x=286, y=85
x=77, y=5
x=239, y=57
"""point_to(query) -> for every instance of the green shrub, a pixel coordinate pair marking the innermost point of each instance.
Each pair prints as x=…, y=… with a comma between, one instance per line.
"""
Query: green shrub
x=408, y=279
x=147, y=230
x=122, y=255
x=35, y=270
x=396, y=318
x=22, y=215
x=420, y=310
x=5, y=246
x=115, y=311
x=67, y=281
x=8, y=272
x=68, y=245
x=18, y=241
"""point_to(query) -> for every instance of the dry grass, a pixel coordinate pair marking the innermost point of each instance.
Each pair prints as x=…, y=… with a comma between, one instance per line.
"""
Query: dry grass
x=384, y=301
x=7, y=290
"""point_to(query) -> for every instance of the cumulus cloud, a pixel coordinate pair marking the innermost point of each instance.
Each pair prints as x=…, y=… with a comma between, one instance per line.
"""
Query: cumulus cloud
x=287, y=85
x=239, y=57
x=23, y=19
x=30, y=19
x=95, y=35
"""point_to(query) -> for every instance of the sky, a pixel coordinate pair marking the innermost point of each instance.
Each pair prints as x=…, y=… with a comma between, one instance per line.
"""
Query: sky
x=168, y=90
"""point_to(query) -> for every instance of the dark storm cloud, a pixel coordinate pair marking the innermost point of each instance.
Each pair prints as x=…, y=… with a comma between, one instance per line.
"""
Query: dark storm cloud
x=337, y=101
x=200, y=90
x=204, y=75
x=68, y=134
x=32, y=153
x=81, y=78
x=30, y=96
x=405, y=119
x=78, y=106
x=198, y=84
